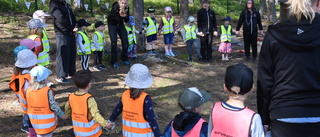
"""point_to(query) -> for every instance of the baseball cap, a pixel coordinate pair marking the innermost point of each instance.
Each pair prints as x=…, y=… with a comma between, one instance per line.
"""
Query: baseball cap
x=241, y=76
x=151, y=10
x=191, y=19
x=39, y=13
x=167, y=9
x=26, y=59
x=227, y=18
x=36, y=23
x=192, y=97
x=40, y=73
x=98, y=24
x=30, y=43
x=83, y=22
x=131, y=21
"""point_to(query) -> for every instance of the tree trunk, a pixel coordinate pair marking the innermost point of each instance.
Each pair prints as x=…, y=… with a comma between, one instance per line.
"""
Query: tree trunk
x=184, y=14
x=263, y=9
x=272, y=11
x=138, y=15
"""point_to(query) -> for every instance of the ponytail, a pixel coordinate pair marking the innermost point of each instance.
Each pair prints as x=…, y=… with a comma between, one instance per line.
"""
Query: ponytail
x=135, y=93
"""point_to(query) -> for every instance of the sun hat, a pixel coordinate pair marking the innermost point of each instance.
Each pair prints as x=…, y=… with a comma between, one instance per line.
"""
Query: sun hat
x=83, y=22
x=17, y=50
x=98, y=24
x=39, y=14
x=241, y=76
x=26, y=59
x=30, y=43
x=167, y=9
x=40, y=72
x=191, y=19
x=151, y=10
x=227, y=18
x=36, y=23
x=138, y=77
x=192, y=97
x=131, y=21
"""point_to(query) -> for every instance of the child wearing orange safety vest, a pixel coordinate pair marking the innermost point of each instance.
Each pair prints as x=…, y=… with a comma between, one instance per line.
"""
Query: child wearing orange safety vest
x=42, y=108
x=20, y=81
x=82, y=107
x=232, y=118
x=189, y=123
x=138, y=118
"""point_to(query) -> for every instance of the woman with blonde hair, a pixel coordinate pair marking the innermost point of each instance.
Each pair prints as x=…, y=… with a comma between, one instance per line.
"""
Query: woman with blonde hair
x=288, y=88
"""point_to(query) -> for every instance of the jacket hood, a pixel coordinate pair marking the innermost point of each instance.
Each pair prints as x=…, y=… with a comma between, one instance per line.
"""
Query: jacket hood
x=184, y=122
x=297, y=36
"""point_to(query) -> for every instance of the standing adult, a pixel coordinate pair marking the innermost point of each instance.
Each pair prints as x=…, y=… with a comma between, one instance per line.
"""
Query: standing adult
x=207, y=27
x=64, y=27
x=250, y=19
x=117, y=16
x=288, y=88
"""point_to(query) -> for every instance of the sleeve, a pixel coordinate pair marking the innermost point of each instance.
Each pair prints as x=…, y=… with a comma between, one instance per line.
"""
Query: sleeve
x=265, y=81
x=183, y=34
x=214, y=21
x=39, y=48
x=67, y=109
x=199, y=20
x=256, y=128
x=210, y=126
x=174, y=24
x=60, y=21
x=144, y=24
x=150, y=116
x=93, y=108
x=79, y=42
x=26, y=86
x=53, y=104
x=117, y=111
x=204, y=130
x=167, y=131
x=240, y=21
x=259, y=21
x=126, y=19
x=95, y=41
x=160, y=25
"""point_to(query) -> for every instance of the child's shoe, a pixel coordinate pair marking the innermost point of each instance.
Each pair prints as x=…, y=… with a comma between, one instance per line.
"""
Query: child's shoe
x=154, y=52
x=96, y=68
x=167, y=54
x=149, y=52
x=171, y=53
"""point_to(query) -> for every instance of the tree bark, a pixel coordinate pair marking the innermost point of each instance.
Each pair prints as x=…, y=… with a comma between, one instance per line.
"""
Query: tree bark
x=263, y=9
x=138, y=12
x=184, y=14
x=272, y=11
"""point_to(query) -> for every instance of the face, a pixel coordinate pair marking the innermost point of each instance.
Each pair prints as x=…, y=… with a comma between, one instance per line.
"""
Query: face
x=168, y=13
x=123, y=3
x=205, y=5
x=249, y=4
x=84, y=27
x=226, y=22
x=191, y=23
x=101, y=28
x=151, y=14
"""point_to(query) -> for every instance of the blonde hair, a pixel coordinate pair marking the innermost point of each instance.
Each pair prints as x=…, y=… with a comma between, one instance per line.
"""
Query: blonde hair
x=301, y=8
x=36, y=31
x=35, y=85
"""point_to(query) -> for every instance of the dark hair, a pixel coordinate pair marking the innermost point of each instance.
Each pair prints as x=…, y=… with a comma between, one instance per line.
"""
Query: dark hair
x=17, y=70
x=135, y=93
x=206, y=1
x=253, y=7
x=82, y=78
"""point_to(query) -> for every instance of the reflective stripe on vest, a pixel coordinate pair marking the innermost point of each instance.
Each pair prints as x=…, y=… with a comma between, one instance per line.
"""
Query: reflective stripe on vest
x=42, y=118
x=43, y=56
x=133, y=122
x=87, y=44
x=100, y=41
x=167, y=26
x=241, y=121
x=225, y=34
x=17, y=85
x=45, y=40
x=194, y=132
x=152, y=28
x=190, y=33
x=82, y=126
x=131, y=36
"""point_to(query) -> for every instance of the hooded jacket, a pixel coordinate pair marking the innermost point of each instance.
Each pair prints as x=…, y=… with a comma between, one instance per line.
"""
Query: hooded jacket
x=184, y=122
x=114, y=17
x=206, y=21
x=64, y=19
x=288, y=71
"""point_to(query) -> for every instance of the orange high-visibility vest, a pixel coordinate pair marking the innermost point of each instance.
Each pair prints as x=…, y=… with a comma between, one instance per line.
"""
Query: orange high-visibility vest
x=42, y=118
x=194, y=132
x=82, y=126
x=133, y=122
x=17, y=85
x=241, y=121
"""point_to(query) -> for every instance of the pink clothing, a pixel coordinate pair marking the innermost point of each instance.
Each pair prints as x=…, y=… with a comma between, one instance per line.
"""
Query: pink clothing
x=194, y=132
x=225, y=47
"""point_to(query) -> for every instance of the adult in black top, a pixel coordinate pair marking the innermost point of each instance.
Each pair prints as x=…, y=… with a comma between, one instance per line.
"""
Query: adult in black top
x=64, y=27
x=207, y=27
x=288, y=88
x=117, y=16
x=250, y=19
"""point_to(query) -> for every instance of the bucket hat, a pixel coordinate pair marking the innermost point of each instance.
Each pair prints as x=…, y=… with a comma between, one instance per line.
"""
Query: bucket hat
x=241, y=76
x=40, y=72
x=36, y=23
x=26, y=59
x=192, y=97
x=30, y=43
x=138, y=77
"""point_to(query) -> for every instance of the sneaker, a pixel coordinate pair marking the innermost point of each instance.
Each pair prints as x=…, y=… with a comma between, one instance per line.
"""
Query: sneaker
x=223, y=58
x=227, y=59
x=254, y=59
x=154, y=52
x=171, y=53
x=199, y=57
x=69, y=77
x=190, y=59
x=115, y=65
x=126, y=62
x=49, y=84
x=25, y=129
x=167, y=54
x=62, y=80
x=97, y=68
x=149, y=52
x=247, y=59
x=102, y=66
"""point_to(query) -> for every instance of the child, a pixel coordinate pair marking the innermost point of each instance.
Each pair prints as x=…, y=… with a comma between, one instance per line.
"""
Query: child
x=189, y=122
x=39, y=14
x=35, y=34
x=42, y=108
x=84, y=44
x=233, y=118
x=20, y=81
x=226, y=32
x=189, y=35
x=131, y=30
x=83, y=109
x=168, y=27
x=138, y=118
x=98, y=43
x=150, y=27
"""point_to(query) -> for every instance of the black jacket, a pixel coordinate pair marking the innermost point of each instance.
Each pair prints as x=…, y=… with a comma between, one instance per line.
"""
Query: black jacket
x=64, y=19
x=114, y=17
x=206, y=21
x=289, y=71
x=245, y=20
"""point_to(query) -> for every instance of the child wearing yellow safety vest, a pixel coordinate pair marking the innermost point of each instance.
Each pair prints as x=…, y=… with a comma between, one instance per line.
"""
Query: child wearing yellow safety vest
x=167, y=25
x=131, y=30
x=84, y=46
x=226, y=32
x=98, y=44
x=82, y=107
x=150, y=28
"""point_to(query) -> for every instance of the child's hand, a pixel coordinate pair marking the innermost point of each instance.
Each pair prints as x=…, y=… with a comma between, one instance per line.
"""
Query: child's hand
x=110, y=126
x=201, y=34
x=237, y=32
x=64, y=117
x=215, y=33
x=143, y=32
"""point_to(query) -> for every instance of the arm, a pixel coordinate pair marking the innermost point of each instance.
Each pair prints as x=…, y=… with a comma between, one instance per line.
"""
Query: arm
x=94, y=111
x=214, y=21
x=204, y=130
x=174, y=25
x=160, y=25
x=167, y=131
x=183, y=33
x=210, y=127
x=67, y=109
x=259, y=23
x=80, y=44
x=240, y=21
x=117, y=111
x=199, y=21
x=60, y=21
x=53, y=104
x=150, y=117
x=256, y=128
x=95, y=41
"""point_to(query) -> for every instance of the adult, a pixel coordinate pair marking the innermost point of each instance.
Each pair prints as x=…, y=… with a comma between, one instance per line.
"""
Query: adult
x=117, y=16
x=64, y=27
x=250, y=19
x=288, y=88
x=207, y=27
